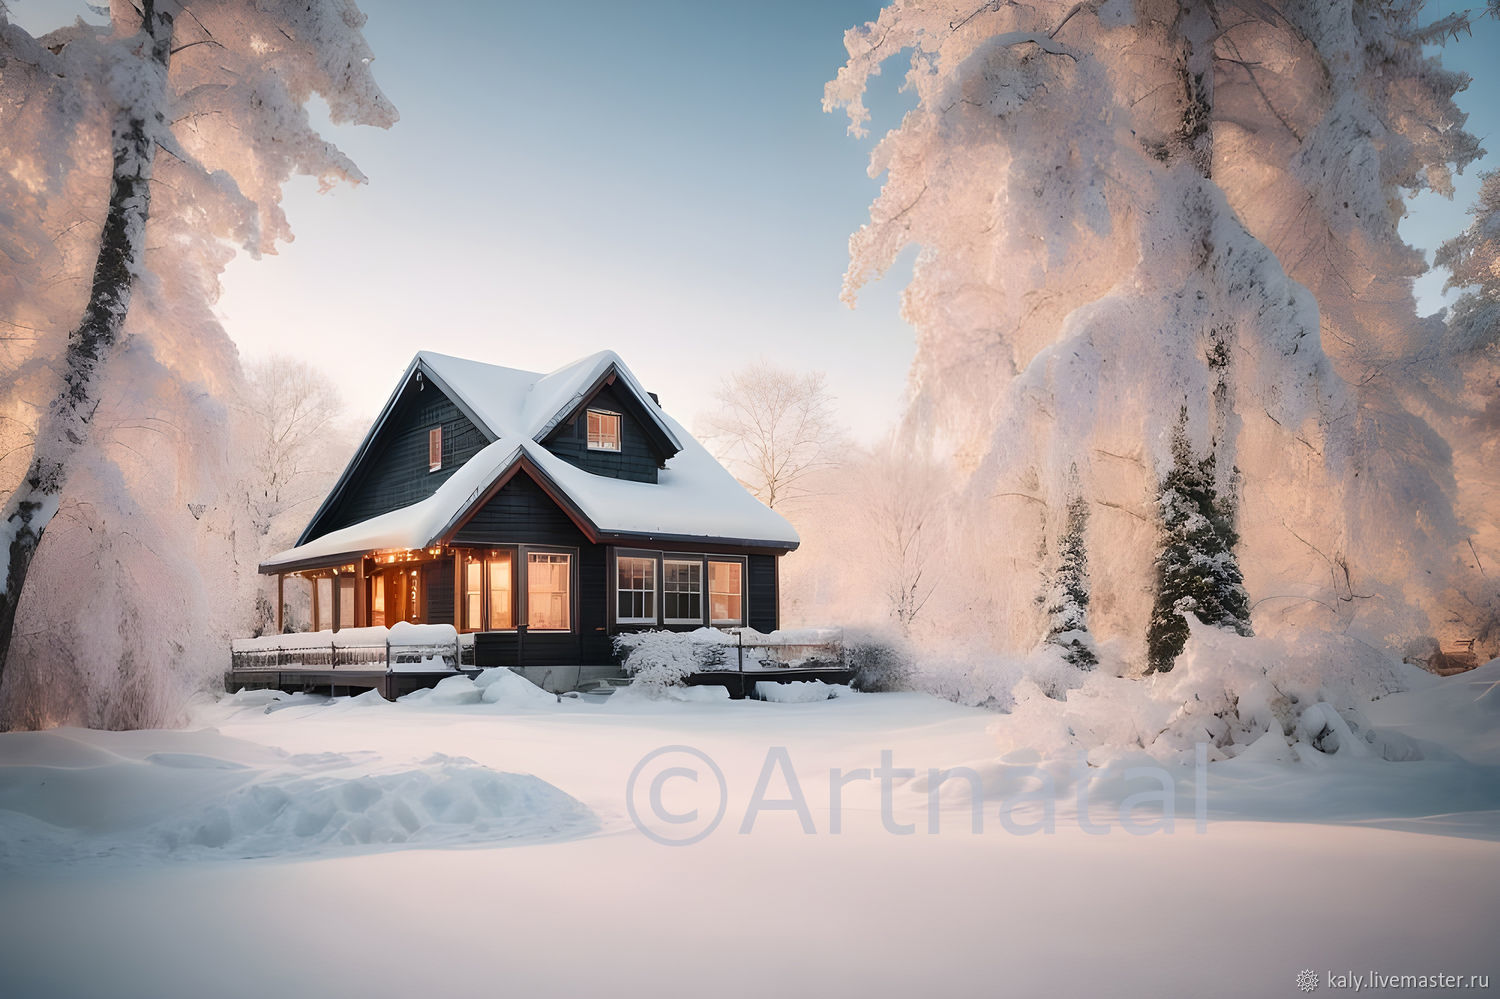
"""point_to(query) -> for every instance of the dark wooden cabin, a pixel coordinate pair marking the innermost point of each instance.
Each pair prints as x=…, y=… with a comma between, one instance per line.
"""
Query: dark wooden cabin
x=541, y=513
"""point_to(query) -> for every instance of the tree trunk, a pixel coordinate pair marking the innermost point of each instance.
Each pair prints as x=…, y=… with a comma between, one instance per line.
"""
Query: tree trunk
x=65, y=426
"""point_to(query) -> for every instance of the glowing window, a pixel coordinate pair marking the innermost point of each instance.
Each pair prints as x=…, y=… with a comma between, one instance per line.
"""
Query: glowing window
x=435, y=449
x=726, y=592
x=548, y=591
x=604, y=430
x=499, y=569
x=473, y=593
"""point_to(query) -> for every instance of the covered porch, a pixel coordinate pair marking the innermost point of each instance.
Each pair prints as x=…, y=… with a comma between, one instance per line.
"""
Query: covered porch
x=376, y=589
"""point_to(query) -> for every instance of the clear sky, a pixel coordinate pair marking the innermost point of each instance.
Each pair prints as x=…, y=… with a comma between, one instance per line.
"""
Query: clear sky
x=655, y=178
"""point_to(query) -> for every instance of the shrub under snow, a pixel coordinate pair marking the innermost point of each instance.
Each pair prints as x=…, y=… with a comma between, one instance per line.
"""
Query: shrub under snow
x=661, y=659
x=1303, y=694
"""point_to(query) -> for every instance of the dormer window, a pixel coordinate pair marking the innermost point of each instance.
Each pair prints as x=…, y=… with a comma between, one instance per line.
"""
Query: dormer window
x=435, y=449
x=604, y=430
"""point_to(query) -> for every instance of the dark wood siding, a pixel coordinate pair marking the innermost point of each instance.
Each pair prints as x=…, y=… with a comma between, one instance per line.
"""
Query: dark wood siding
x=765, y=611
x=593, y=600
x=437, y=582
x=393, y=472
x=520, y=514
x=637, y=459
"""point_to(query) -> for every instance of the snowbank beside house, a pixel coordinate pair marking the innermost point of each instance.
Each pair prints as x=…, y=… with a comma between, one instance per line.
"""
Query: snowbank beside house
x=499, y=686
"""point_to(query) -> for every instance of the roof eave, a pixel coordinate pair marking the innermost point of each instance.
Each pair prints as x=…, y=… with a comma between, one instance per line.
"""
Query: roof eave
x=313, y=562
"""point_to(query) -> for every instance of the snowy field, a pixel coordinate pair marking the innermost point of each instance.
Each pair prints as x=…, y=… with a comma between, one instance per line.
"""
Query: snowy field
x=479, y=841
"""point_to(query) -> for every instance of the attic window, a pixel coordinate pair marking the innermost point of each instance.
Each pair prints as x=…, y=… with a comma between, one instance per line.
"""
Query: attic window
x=435, y=449
x=604, y=430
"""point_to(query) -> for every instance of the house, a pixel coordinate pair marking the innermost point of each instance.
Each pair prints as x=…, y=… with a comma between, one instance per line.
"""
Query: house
x=540, y=514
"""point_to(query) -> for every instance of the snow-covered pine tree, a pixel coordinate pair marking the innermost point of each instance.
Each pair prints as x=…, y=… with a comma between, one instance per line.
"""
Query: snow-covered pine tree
x=1196, y=569
x=1067, y=598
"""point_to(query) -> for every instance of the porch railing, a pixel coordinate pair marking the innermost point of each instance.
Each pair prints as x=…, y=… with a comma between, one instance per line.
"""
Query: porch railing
x=763, y=654
x=326, y=650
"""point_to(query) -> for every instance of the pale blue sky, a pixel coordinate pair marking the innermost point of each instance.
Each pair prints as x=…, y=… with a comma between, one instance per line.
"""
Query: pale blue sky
x=654, y=178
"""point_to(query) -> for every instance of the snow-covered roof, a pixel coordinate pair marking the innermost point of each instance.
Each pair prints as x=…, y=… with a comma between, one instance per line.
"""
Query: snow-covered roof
x=509, y=402
x=693, y=498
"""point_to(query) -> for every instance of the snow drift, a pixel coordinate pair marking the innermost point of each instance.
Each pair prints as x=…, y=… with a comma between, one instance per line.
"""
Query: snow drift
x=72, y=795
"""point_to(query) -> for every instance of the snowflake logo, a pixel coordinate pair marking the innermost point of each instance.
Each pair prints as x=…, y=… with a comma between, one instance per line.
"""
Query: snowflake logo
x=1307, y=980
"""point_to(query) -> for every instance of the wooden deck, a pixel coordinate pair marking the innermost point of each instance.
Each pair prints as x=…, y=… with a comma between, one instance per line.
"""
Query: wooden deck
x=742, y=685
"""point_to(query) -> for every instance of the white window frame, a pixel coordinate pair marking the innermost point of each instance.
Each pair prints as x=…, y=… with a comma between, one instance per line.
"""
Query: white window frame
x=702, y=564
x=652, y=559
x=596, y=442
x=435, y=449
x=744, y=565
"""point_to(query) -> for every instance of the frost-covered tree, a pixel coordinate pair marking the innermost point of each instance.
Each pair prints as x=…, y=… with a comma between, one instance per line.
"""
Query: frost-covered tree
x=1196, y=571
x=775, y=428
x=1473, y=261
x=1128, y=207
x=1472, y=342
x=1067, y=598
x=297, y=448
x=139, y=155
x=898, y=501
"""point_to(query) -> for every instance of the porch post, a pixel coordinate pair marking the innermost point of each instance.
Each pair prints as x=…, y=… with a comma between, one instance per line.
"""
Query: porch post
x=280, y=601
x=312, y=584
x=361, y=611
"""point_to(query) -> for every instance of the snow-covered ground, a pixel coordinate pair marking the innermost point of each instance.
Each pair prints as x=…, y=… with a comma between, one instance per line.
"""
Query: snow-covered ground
x=478, y=840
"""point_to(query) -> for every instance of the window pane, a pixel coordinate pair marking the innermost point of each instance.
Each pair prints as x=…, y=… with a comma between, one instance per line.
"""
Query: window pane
x=726, y=592
x=325, y=604
x=473, y=592
x=604, y=431
x=636, y=587
x=500, y=569
x=346, y=603
x=682, y=591
x=434, y=449
x=377, y=600
x=411, y=582
x=547, y=591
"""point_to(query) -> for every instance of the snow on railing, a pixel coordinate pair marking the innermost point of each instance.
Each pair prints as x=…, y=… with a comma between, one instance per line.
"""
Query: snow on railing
x=403, y=647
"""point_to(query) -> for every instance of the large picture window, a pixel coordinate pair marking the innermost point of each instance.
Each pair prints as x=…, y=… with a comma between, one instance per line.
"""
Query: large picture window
x=489, y=591
x=604, y=430
x=682, y=591
x=549, y=580
x=635, y=590
x=726, y=592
